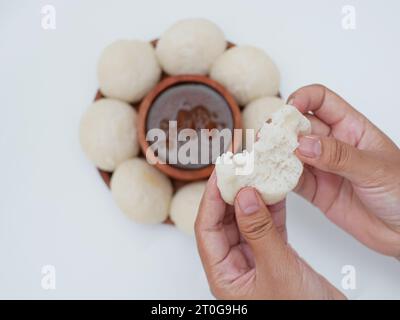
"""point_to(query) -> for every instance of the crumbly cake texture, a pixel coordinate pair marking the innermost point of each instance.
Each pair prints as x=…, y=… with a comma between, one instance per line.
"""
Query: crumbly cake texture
x=271, y=166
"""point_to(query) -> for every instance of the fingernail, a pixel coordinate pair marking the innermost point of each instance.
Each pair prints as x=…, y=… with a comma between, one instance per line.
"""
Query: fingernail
x=248, y=201
x=309, y=146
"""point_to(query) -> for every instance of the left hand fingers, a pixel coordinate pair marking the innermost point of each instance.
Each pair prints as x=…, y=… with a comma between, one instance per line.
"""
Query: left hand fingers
x=259, y=230
x=212, y=241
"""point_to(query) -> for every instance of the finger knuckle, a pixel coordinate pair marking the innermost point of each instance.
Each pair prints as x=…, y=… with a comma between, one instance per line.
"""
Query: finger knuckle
x=318, y=86
x=257, y=227
x=338, y=156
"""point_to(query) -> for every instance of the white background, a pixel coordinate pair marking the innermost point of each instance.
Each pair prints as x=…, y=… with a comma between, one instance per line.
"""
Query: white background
x=55, y=209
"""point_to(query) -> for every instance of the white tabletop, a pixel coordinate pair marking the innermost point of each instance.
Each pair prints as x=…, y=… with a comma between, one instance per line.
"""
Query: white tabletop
x=54, y=208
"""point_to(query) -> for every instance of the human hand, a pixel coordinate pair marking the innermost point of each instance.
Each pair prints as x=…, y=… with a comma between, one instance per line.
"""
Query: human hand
x=352, y=169
x=245, y=253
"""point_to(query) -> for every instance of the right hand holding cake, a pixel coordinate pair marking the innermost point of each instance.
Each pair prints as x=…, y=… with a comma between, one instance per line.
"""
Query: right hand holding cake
x=352, y=169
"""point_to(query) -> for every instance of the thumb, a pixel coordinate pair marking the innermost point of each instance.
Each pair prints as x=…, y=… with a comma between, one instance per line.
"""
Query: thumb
x=334, y=156
x=257, y=227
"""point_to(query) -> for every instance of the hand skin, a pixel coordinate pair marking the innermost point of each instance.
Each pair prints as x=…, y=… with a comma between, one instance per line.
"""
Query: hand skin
x=245, y=253
x=352, y=169
x=352, y=174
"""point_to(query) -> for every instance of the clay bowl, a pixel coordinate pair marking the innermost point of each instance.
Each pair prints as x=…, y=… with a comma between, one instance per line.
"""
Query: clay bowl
x=168, y=84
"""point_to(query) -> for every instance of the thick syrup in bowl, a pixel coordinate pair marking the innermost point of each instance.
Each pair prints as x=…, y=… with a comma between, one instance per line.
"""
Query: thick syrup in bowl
x=192, y=106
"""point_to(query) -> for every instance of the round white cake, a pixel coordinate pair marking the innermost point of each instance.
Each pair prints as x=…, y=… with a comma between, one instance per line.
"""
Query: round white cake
x=108, y=133
x=128, y=70
x=141, y=191
x=190, y=47
x=247, y=72
x=256, y=113
x=185, y=204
